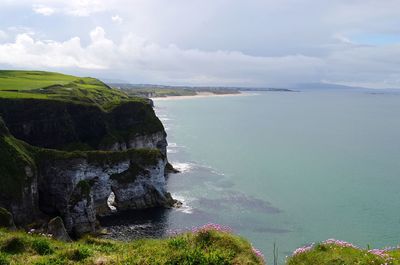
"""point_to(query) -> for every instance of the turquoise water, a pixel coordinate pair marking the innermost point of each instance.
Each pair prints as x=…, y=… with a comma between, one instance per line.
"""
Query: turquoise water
x=291, y=168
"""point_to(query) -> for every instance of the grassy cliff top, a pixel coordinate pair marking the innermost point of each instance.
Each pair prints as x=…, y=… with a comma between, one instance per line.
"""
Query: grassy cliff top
x=202, y=247
x=48, y=85
x=337, y=252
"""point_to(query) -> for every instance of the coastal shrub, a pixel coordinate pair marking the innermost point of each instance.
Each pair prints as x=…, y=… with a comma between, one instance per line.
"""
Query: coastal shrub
x=183, y=248
x=42, y=246
x=14, y=245
x=52, y=261
x=337, y=252
x=101, y=245
x=5, y=218
x=178, y=243
x=78, y=254
x=219, y=257
x=85, y=187
x=3, y=259
x=201, y=256
x=204, y=238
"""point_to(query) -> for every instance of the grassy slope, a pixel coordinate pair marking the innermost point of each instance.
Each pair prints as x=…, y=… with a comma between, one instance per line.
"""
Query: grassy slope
x=156, y=92
x=333, y=254
x=47, y=85
x=205, y=247
x=12, y=173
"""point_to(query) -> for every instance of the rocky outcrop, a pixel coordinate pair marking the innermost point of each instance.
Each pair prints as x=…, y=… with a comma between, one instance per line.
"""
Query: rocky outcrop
x=18, y=178
x=70, y=126
x=78, y=187
x=157, y=140
x=6, y=219
x=57, y=230
x=145, y=191
x=119, y=153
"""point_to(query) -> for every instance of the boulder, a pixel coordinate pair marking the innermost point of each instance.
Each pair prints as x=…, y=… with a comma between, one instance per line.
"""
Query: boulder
x=57, y=229
x=6, y=219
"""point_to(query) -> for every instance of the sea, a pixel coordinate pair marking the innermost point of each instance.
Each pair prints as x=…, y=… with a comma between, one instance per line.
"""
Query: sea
x=281, y=168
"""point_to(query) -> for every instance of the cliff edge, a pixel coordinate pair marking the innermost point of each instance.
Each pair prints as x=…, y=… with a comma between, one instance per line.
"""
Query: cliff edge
x=76, y=148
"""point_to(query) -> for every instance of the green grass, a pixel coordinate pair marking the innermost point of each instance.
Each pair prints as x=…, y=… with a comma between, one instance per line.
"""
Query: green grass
x=13, y=176
x=141, y=156
x=156, y=92
x=48, y=85
x=216, y=248
x=29, y=80
x=331, y=254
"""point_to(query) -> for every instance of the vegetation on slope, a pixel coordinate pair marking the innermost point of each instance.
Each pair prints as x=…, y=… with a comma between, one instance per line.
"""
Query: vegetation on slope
x=16, y=157
x=48, y=85
x=206, y=245
x=210, y=244
x=142, y=156
x=165, y=91
x=336, y=252
x=59, y=111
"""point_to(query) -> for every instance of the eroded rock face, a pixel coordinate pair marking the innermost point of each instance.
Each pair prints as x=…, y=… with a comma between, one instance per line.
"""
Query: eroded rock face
x=25, y=207
x=18, y=179
x=76, y=185
x=64, y=125
x=154, y=140
x=78, y=190
x=145, y=191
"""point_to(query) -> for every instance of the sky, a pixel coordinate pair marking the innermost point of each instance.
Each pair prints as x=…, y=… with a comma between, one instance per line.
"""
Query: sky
x=251, y=43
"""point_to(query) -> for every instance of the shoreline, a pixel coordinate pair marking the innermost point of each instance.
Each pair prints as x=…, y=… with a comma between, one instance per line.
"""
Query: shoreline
x=202, y=95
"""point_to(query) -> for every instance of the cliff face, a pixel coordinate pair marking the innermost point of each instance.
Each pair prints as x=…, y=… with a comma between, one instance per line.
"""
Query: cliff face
x=71, y=126
x=68, y=159
x=18, y=178
x=78, y=187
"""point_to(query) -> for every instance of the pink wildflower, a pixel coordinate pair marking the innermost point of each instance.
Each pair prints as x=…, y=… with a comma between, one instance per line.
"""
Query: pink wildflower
x=380, y=253
x=339, y=243
x=258, y=253
x=211, y=226
x=303, y=249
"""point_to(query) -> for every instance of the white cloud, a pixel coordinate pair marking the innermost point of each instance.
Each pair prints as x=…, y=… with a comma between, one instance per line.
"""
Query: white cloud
x=117, y=19
x=43, y=10
x=28, y=52
x=164, y=64
x=3, y=35
x=342, y=39
x=236, y=42
x=375, y=66
x=73, y=7
x=85, y=7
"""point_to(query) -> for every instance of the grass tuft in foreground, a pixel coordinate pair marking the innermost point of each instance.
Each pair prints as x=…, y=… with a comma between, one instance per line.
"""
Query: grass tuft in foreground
x=206, y=245
x=336, y=252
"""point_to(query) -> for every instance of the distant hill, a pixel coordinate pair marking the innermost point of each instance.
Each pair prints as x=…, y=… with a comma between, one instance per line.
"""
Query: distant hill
x=56, y=86
x=326, y=86
x=151, y=90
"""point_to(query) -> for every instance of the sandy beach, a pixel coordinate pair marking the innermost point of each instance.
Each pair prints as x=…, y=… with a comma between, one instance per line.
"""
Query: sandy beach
x=201, y=95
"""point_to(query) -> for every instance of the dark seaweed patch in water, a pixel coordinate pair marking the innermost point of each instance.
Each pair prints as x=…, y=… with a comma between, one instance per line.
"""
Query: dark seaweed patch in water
x=270, y=230
x=232, y=199
x=128, y=225
x=224, y=183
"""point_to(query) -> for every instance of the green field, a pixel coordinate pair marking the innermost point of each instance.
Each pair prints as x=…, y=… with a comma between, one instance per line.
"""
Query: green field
x=154, y=91
x=48, y=85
